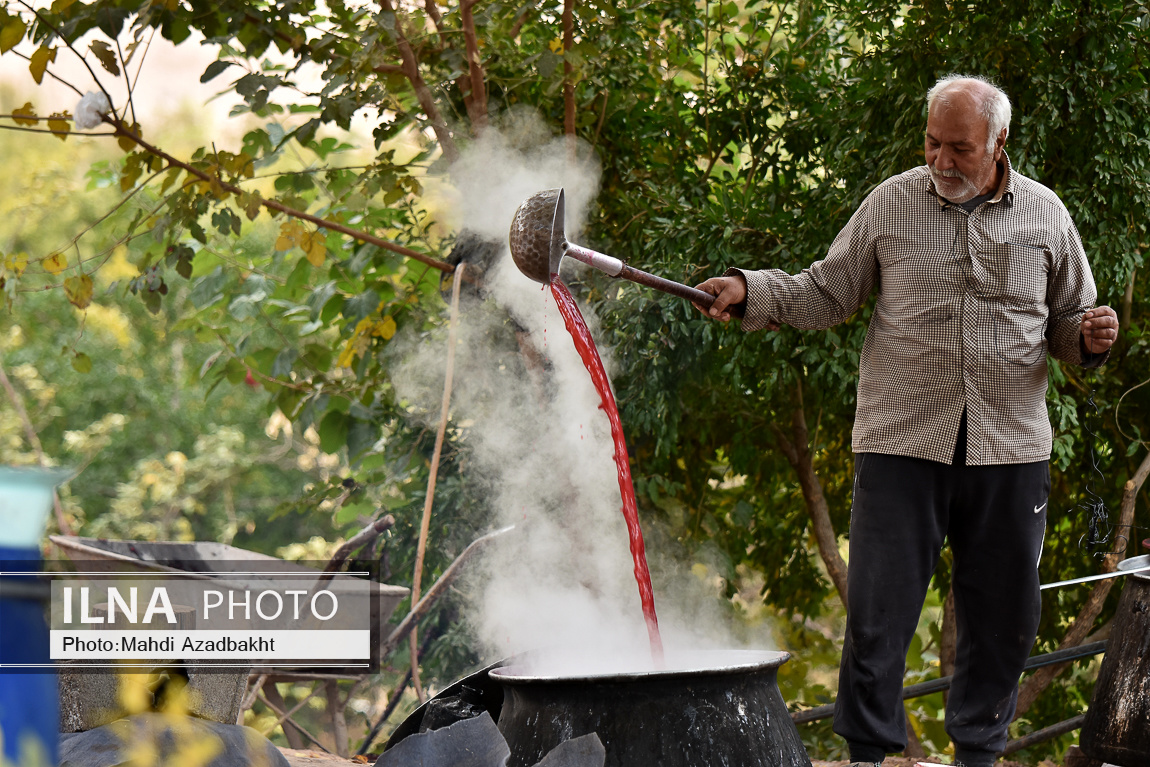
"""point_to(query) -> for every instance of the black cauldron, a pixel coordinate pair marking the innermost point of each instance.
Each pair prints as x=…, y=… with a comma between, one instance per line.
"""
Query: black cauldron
x=726, y=709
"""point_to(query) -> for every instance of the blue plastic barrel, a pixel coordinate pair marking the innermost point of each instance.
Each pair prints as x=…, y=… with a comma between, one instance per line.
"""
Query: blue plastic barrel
x=29, y=700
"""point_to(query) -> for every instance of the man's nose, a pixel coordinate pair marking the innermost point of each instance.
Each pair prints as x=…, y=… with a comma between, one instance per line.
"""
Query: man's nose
x=943, y=159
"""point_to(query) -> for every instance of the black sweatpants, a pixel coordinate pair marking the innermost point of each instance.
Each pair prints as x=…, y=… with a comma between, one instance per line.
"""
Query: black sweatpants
x=994, y=518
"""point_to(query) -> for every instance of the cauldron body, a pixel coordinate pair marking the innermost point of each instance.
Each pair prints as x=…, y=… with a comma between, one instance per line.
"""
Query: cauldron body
x=729, y=713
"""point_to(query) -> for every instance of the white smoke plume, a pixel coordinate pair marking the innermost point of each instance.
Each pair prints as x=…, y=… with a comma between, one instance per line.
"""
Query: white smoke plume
x=562, y=582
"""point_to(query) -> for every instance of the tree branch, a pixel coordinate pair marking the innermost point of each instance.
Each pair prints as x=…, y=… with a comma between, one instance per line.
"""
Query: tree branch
x=436, y=591
x=798, y=455
x=286, y=718
x=1034, y=686
x=18, y=406
x=34, y=442
x=51, y=74
x=948, y=639
x=67, y=42
x=422, y=92
x=602, y=118
x=517, y=27
x=267, y=731
x=477, y=101
x=1128, y=300
x=569, y=78
x=275, y=205
x=434, y=14
x=358, y=541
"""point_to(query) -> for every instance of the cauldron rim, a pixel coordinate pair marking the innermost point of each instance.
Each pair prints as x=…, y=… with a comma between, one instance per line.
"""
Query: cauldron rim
x=757, y=660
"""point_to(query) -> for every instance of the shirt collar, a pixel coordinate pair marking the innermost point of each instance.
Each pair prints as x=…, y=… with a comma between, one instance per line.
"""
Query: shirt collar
x=1004, y=193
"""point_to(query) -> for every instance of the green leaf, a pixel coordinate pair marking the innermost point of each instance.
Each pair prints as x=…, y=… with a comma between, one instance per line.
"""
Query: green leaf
x=106, y=55
x=246, y=306
x=318, y=356
x=360, y=306
x=299, y=275
x=82, y=363
x=361, y=435
x=213, y=70
x=151, y=300
x=319, y=298
x=235, y=370
x=209, y=288
x=38, y=62
x=184, y=257
x=333, y=431
x=11, y=33
x=283, y=363
x=78, y=290
x=349, y=512
x=306, y=132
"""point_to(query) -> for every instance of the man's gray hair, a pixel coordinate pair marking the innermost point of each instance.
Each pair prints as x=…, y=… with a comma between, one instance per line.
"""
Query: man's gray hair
x=993, y=103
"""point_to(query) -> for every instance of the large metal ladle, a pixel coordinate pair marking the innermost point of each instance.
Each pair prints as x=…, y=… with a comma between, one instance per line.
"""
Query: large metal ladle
x=538, y=246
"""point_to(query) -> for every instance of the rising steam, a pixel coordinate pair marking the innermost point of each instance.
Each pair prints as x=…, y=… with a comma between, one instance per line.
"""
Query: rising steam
x=562, y=582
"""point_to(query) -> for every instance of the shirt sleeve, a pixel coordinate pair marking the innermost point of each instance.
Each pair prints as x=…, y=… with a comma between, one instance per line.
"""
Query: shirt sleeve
x=822, y=295
x=1070, y=293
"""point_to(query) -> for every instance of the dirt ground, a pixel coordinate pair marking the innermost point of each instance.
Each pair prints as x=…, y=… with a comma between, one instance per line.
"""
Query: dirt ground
x=319, y=759
x=901, y=761
x=305, y=758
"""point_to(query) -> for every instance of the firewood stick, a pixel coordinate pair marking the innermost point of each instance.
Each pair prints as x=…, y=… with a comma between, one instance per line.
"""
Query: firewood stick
x=425, y=522
x=250, y=697
x=436, y=591
x=293, y=722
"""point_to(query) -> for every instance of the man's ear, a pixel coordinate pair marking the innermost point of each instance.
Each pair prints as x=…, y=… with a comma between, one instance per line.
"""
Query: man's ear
x=999, y=143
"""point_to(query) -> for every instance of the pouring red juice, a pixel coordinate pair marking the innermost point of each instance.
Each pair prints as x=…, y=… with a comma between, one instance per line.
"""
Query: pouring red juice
x=585, y=345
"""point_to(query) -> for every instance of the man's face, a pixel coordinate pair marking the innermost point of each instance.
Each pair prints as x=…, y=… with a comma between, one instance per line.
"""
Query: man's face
x=960, y=164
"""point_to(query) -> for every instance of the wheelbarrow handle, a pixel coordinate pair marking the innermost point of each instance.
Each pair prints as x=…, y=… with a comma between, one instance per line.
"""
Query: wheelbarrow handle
x=617, y=268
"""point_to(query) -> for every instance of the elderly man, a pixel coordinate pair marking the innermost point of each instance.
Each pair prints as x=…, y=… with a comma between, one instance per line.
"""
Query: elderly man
x=979, y=274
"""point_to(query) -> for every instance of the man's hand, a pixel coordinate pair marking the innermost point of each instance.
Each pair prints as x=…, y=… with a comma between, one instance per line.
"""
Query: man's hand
x=1099, y=329
x=727, y=291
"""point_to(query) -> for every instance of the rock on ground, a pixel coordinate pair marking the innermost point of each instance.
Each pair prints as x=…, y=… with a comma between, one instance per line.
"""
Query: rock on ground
x=155, y=739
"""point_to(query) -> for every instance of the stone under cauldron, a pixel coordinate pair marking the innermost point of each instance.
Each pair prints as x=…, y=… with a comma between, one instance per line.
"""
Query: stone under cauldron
x=723, y=708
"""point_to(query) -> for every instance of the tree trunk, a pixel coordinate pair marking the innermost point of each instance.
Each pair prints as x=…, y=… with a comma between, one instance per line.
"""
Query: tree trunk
x=1028, y=693
x=569, y=78
x=293, y=736
x=1128, y=300
x=948, y=640
x=476, y=98
x=798, y=454
x=422, y=92
x=914, y=748
x=335, y=713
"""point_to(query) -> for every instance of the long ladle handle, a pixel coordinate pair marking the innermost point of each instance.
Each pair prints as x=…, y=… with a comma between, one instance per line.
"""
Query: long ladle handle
x=617, y=268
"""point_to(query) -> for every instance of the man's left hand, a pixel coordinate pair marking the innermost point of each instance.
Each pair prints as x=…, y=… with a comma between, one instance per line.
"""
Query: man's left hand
x=1099, y=329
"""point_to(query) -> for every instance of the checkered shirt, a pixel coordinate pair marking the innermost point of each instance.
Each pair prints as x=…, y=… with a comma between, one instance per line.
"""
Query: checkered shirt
x=968, y=307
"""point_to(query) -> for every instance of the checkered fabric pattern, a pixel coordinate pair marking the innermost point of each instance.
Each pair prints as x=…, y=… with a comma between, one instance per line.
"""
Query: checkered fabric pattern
x=968, y=307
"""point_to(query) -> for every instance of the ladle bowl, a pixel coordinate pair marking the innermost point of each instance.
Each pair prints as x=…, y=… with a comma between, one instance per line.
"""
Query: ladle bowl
x=538, y=246
x=536, y=238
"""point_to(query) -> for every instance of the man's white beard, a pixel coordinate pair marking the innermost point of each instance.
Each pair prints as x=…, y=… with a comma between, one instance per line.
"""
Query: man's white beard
x=953, y=185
